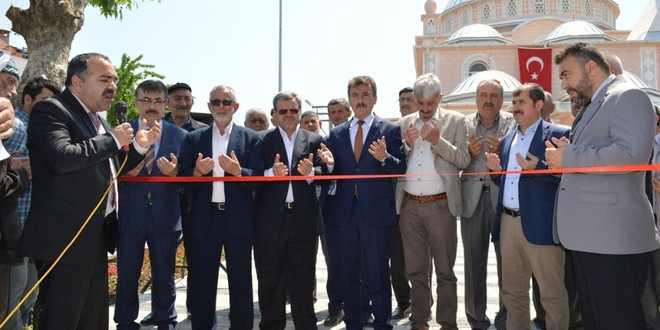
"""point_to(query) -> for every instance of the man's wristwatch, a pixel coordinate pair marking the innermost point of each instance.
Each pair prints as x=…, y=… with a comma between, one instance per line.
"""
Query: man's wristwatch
x=382, y=161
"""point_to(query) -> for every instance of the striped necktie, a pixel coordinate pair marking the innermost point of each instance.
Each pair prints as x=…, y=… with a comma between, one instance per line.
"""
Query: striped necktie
x=149, y=159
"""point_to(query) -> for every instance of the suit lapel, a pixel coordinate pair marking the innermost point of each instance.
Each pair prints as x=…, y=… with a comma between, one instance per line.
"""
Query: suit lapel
x=593, y=108
x=298, y=148
x=506, y=147
x=236, y=135
x=78, y=111
x=372, y=135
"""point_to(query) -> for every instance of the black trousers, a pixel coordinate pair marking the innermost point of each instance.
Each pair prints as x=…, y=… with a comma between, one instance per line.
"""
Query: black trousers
x=74, y=296
x=610, y=289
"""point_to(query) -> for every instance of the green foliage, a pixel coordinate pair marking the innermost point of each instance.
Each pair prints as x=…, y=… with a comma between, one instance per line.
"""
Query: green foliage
x=130, y=72
x=114, y=8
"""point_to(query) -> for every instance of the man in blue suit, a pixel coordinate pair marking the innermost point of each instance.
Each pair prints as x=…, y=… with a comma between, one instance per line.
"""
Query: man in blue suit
x=365, y=209
x=222, y=212
x=150, y=213
x=523, y=218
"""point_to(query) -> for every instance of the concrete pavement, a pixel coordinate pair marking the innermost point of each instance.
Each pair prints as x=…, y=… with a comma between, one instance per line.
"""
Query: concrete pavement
x=222, y=306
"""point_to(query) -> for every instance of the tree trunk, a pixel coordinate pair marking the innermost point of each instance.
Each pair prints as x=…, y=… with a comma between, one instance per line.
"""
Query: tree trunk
x=48, y=27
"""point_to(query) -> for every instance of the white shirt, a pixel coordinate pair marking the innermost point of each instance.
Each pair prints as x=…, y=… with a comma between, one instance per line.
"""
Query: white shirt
x=520, y=144
x=421, y=162
x=219, y=145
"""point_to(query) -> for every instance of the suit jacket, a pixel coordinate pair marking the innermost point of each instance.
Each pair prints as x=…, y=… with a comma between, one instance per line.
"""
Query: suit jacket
x=238, y=195
x=471, y=184
x=609, y=213
x=536, y=193
x=450, y=155
x=164, y=197
x=70, y=172
x=271, y=196
x=376, y=196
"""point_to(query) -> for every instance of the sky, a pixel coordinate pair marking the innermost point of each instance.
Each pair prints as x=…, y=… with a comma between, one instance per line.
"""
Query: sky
x=224, y=42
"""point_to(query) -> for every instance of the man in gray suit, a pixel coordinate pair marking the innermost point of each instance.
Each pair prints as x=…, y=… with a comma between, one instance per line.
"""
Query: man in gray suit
x=435, y=142
x=485, y=128
x=605, y=218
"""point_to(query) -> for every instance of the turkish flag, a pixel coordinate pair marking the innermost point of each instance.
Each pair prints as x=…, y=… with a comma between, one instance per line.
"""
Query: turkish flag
x=536, y=66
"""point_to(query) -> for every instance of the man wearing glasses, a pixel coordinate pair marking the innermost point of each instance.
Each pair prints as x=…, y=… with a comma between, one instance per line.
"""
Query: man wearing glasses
x=150, y=214
x=365, y=212
x=221, y=211
x=288, y=219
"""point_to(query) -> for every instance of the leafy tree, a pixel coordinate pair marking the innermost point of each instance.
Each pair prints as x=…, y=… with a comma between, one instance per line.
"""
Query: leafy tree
x=49, y=26
x=130, y=72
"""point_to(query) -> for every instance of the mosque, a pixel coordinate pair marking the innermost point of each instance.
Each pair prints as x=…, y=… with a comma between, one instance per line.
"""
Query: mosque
x=515, y=41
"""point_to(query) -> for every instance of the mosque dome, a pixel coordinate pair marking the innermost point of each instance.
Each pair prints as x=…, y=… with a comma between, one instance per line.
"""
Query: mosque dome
x=466, y=91
x=476, y=33
x=580, y=30
x=456, y=3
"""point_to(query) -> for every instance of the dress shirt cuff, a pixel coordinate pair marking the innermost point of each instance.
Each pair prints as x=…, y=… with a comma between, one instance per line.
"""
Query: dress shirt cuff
x=142, y=150
x=269, y=172
x=331, y=168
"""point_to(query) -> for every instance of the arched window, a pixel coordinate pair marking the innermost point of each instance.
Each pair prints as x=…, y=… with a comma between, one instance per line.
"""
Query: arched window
x=430, y=26
x=603, y=12
x=450, y=24
x=565, y=6
x=537, y=7
x=466, y=17
x=477, y=67
x=485, y=12
x=512, y=8
x=588, y=10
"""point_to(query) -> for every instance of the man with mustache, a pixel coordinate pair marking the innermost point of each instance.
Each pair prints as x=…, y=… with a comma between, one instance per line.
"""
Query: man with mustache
x=74, y=155
x=484, y=127
x=180, y=101
x=151, y=215
x=221, y=211
x=523, y=218
x=605, y=218
x=365, y=212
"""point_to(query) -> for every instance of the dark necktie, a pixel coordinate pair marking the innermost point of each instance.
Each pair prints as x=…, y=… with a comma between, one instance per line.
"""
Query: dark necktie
x=577, y=120
x=95, y=120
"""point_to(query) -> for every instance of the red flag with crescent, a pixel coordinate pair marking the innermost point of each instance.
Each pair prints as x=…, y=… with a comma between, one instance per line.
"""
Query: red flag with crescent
x=536, y=66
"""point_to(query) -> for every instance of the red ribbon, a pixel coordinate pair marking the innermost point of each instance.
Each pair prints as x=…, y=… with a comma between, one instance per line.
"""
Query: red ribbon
x=585, y=170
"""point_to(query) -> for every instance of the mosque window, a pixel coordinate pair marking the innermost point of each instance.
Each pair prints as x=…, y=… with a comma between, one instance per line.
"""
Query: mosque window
x=565, y=6
x=466, y=17
x=538, y=7
x=477, y=67
x=603, y=12
x=450, y=24
x=512, y=8
x=588, y=10
x=430, y=27
x=486, y=12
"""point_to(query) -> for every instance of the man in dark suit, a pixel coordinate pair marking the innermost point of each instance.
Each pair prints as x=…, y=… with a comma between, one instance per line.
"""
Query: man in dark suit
x=180, y=101
x=365, y=209
x=606, y=219
x=73, y=163
x=150, y=213
x=523, y=217
x=222, y=212
x=288, y=220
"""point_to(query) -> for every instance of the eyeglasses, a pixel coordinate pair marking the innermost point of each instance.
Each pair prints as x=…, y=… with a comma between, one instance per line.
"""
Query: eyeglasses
x=291, y=111
x=218, y=102
x=154, y=101
x=406, y=99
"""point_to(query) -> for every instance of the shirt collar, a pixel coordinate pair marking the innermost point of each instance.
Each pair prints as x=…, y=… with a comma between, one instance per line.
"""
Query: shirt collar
x=285, y=136
x=605, y=83
x=216, y=130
